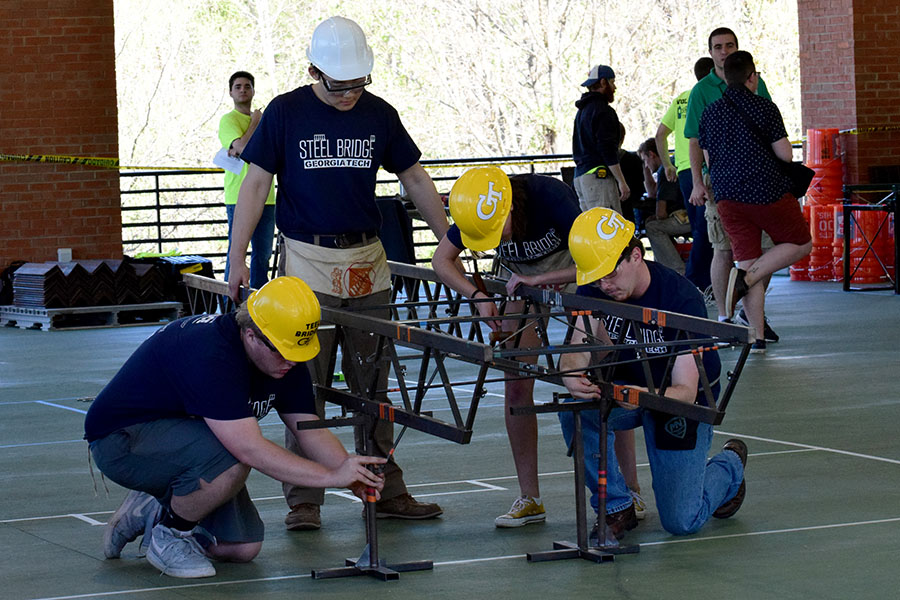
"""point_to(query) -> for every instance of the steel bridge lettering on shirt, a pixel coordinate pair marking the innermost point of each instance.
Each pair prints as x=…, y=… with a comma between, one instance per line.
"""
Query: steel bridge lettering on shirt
x=320, y=152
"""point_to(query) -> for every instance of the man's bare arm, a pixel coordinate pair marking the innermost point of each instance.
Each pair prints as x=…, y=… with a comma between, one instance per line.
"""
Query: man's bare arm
x=251, y=201
x=424, y=195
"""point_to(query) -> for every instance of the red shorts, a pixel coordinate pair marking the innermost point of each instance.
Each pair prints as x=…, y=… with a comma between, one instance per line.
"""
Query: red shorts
x=782, y=220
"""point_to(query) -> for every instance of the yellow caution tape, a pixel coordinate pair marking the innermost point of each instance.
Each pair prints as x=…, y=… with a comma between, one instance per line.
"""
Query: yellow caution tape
x=91, y=161
x=60, y=159
x=857, y=131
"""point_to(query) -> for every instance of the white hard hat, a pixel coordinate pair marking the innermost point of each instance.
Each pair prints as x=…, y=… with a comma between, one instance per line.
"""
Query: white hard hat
x=338, y=48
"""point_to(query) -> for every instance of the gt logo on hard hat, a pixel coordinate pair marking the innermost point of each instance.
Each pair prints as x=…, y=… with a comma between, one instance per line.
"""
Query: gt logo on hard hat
x=481, y=216
x=609, y=225
x=492, y=200
x=596, y=241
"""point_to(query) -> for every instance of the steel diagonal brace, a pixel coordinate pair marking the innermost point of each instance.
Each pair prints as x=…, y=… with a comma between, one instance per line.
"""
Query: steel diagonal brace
x=409, y=336
x=386, y=412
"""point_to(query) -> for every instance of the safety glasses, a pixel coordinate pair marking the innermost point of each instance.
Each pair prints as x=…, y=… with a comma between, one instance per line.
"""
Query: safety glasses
x=343, y=87
x=265, y=342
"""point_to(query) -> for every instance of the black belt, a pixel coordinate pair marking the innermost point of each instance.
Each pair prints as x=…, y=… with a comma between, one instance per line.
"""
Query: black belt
x=341, y=240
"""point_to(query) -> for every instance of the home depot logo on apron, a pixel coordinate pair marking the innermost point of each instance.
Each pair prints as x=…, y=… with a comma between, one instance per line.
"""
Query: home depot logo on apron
x=341, y=272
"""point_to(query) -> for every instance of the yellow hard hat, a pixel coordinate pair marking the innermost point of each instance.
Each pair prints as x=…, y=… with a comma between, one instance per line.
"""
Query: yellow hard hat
x=480, y=201
x=596, y=241
x=287, y=311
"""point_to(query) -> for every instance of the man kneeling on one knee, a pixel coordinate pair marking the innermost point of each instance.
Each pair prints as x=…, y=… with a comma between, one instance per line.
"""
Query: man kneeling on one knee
x=178, y=426
x=688, y=487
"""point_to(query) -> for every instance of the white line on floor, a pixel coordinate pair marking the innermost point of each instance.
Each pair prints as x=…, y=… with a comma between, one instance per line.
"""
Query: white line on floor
x=41, y=444
x=45, y=403
x=811, y=447
x=86, y=519
x=486, y=559
x=774, y=531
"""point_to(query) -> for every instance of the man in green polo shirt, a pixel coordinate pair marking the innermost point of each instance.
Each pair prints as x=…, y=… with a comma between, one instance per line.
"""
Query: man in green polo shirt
x=722, y=42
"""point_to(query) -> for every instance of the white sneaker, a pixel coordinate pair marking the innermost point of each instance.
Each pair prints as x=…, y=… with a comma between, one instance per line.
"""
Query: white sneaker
x=640, y=507
x=137, y=514
x=523, y=511
x=178, y=554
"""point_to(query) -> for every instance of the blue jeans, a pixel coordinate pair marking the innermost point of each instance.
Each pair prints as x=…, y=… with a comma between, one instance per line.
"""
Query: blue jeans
x=260, y=245
x=697, y=267
x=687, y=486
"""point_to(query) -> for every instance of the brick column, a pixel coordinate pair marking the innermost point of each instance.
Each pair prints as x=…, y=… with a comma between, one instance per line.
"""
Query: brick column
x=57, y=65
x=850, y=77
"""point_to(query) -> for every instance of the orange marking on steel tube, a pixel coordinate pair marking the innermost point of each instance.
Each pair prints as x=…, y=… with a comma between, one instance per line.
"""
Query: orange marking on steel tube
x=650, y=315
x=624, y=394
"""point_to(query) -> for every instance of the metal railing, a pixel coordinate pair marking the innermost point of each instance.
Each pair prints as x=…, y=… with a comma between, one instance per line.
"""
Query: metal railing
x=183, y=210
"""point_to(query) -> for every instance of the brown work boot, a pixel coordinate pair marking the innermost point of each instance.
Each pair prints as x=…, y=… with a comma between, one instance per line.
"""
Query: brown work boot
x=618, y=523
x=303, y=517
x=405, y=506
x=732, y=506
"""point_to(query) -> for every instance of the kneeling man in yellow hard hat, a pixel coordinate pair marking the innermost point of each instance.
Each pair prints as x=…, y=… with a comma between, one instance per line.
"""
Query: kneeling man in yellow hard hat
x=689, y=489
x=177, y=425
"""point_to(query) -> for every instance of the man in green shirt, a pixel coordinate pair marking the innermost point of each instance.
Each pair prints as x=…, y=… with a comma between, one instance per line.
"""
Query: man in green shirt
x=235, y=130
x=722, y=42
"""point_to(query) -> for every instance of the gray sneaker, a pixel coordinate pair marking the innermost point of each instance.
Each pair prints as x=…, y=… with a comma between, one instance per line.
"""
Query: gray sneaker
x=178, y=554
x=130, y=520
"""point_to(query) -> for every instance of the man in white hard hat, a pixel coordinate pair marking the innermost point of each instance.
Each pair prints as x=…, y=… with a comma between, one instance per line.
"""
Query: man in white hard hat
x=326, y=142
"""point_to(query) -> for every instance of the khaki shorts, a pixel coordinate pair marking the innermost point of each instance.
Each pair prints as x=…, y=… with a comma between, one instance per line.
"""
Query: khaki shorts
x=595, y=191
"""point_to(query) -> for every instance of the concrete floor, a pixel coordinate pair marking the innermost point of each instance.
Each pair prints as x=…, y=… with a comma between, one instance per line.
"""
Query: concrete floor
x=822, y=518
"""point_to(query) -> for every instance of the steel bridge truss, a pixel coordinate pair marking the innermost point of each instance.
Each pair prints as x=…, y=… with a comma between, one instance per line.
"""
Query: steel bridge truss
x=432, y=326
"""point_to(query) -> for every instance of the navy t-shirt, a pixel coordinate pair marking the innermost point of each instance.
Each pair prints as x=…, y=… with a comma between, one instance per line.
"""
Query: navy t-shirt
x=670, y=292
x=326, y=160
x=195, y=367
x=551, y=208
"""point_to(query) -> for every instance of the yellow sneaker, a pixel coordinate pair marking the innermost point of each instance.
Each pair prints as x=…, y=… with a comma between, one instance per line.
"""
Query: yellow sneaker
x=640, y=507
x=523, y=511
